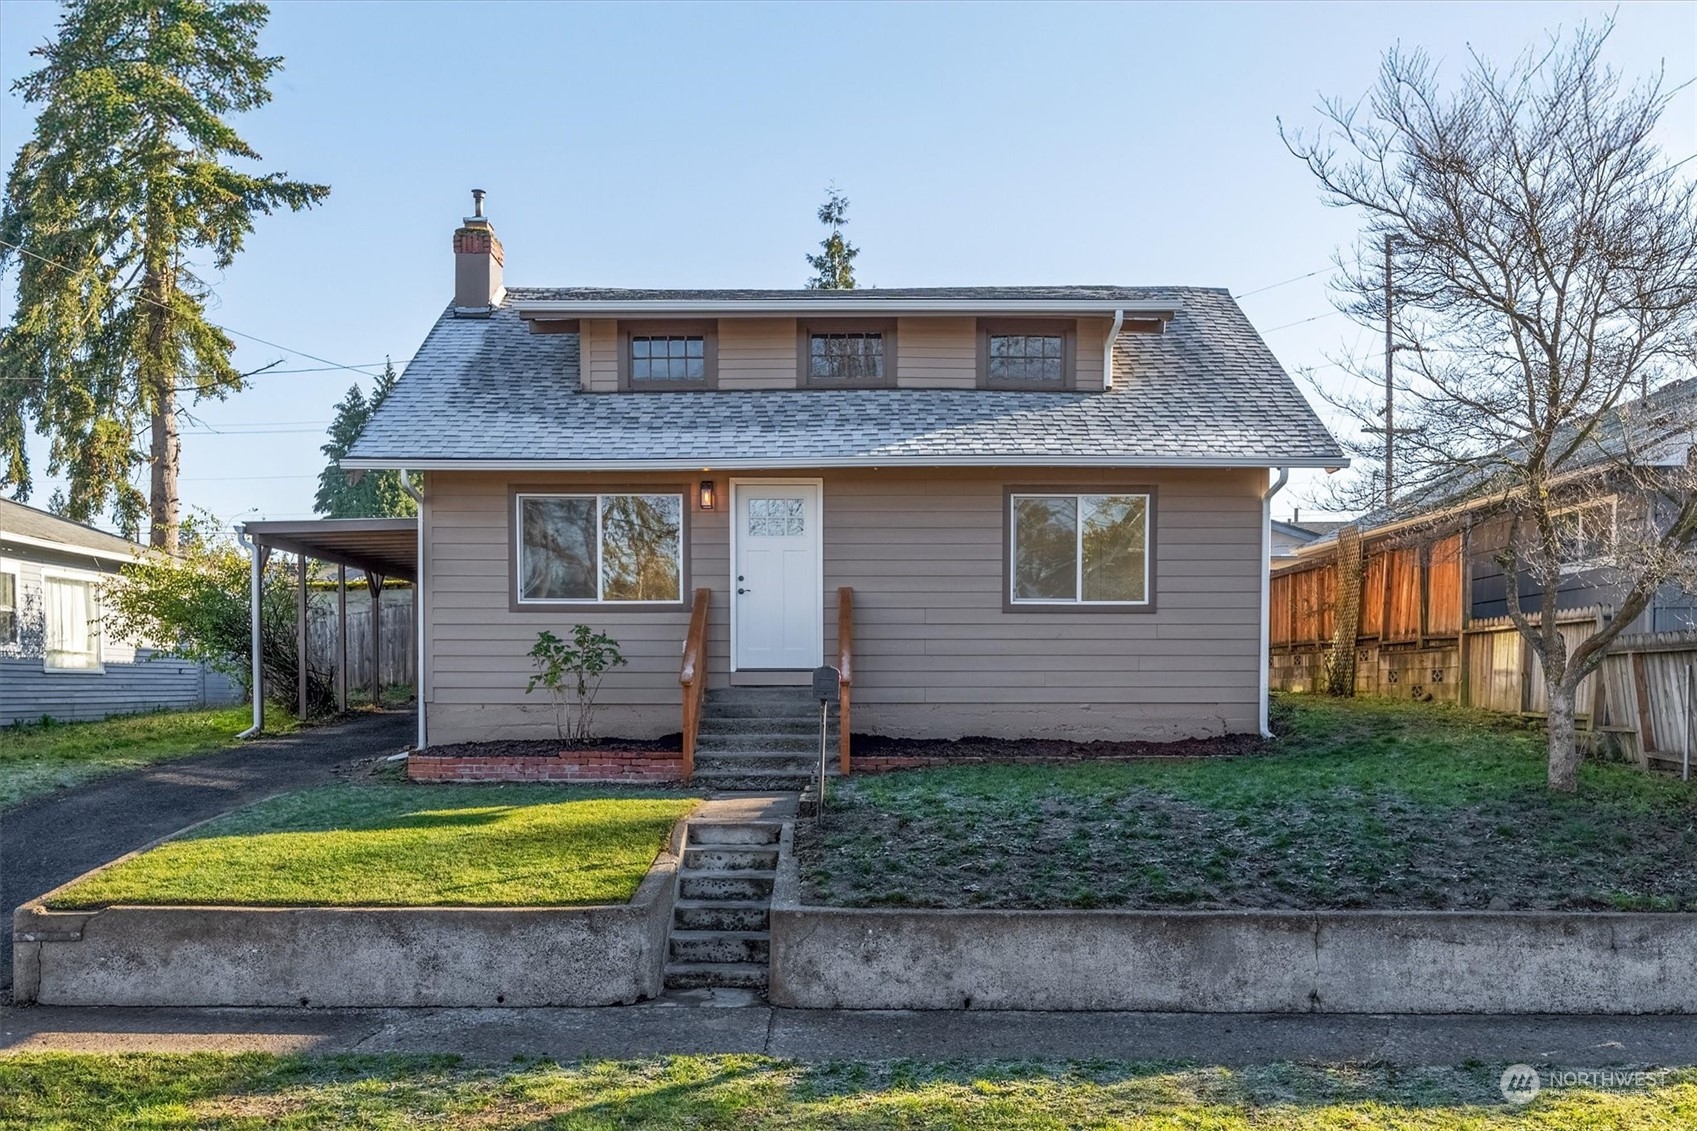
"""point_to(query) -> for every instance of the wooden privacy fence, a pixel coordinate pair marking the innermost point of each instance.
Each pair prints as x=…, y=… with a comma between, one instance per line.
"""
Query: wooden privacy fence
x=397, y=642
x=1407, y=635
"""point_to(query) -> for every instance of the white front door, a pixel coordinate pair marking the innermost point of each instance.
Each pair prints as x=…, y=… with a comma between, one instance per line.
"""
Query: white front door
x=777, y=591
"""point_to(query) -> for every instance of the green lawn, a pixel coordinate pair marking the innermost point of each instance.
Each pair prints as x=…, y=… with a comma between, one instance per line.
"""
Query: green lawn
x=405, y=845
x=748, y=1093
x=1360, y=803
x=38, y=758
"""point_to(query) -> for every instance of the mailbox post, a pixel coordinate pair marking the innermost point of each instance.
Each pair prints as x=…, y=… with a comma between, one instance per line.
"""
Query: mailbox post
x=827, y=685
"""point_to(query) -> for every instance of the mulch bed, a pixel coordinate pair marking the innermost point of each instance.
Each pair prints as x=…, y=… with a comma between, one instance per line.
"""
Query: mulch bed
x=554, y=748
x=977, y=748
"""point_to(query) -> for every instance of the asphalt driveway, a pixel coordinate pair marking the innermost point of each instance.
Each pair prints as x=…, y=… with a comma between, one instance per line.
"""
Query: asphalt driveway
x=52, y=840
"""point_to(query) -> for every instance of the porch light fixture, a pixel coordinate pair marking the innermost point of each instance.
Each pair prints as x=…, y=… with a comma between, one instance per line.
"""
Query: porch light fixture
x=709, y=497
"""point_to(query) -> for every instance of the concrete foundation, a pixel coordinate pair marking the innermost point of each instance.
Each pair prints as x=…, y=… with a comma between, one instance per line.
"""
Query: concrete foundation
x=331, y=956
x=1386, y=962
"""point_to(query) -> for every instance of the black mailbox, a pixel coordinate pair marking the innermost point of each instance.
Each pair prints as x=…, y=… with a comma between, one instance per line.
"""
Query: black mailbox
x=826, y=683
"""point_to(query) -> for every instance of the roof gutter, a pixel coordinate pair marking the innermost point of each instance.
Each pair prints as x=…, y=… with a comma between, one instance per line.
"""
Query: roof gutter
x=754, y=308
x=768, y=463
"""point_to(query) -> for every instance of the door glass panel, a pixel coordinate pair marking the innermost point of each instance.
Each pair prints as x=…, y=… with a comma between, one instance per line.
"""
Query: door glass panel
x=776, y=518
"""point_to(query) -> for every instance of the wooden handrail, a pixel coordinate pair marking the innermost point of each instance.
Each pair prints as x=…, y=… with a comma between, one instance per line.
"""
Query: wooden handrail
x=692, y=674
x=845, y=672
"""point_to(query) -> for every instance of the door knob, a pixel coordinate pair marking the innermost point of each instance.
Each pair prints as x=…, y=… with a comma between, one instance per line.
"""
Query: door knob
x=740, y=589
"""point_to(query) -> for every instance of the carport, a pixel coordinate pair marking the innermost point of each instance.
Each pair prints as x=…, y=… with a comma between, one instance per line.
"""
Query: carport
x=383, y=548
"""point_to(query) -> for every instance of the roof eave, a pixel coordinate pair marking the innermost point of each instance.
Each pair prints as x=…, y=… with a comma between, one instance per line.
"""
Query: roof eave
x=423, y=463
x=757, y=308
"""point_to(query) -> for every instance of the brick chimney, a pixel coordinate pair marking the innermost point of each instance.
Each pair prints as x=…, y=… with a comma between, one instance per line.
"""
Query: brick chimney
x=477, y=264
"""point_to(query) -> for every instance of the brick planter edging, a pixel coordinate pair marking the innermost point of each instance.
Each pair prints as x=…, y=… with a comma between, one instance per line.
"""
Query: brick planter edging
x=1227, y=961
x=567, y=766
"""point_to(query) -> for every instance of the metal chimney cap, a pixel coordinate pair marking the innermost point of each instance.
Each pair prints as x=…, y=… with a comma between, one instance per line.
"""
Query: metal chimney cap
x=477, y=196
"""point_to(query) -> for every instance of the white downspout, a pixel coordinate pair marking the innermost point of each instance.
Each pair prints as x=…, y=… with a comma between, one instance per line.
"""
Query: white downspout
x=418, y=600
x=255, y=584
x=1266, y=594
x=1108, y=349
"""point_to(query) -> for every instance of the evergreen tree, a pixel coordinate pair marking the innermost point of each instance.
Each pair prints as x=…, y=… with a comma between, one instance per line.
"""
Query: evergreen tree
x=373, y=494
x=126, y=180
x=834, y=265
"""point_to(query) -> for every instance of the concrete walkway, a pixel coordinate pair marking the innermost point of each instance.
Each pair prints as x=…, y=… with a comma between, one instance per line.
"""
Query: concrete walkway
x=55, y=839
x=496, y=1035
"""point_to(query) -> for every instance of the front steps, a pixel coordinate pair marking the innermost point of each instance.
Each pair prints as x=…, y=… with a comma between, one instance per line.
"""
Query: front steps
x=721, y=919
x=762, y=738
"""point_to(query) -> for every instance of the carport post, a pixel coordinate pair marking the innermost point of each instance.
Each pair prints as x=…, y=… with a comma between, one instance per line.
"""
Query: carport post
x=341, y=638
x=300, y=636
x=255, y=588
x=374, y=582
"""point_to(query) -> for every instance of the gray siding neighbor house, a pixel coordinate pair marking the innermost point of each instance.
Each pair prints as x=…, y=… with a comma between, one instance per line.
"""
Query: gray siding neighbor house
x=1037, y=511
x=56, y=660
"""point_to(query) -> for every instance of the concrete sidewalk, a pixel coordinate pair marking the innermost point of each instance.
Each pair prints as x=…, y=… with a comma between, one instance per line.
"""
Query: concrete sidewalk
x=662, y=1027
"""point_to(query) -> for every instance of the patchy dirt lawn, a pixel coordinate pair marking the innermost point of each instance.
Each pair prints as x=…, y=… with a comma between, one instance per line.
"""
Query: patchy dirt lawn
x=1358, y=804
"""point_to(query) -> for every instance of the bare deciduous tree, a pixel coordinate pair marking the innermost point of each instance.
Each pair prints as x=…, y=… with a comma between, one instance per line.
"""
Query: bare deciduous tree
x=1544, y=252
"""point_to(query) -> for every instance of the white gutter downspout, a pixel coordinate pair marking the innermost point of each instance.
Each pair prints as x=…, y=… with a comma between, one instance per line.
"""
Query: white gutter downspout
x=255, y=585
x=418, y=600
x=1108, y=349
x=1266, y=593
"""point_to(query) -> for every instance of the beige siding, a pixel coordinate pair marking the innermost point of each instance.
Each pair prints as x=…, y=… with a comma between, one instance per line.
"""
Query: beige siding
x=936, y=653
x=1092, y=333
x=757, y=353
x=598, y=353
x=937, y=353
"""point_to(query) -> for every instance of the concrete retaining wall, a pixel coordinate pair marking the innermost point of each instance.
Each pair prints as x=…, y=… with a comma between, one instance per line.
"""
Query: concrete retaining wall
x=1230, y=961
x=331, y=956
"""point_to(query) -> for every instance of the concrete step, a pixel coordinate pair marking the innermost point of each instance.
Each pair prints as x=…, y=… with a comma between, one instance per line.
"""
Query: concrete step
x=793, y=760
x=743, y=736
x=802, y=725
x=720, y=946
x=756, y=779
x=737, y=832
x=745, y=885
x=721, y=915
x=696, y=975
x=731, y=857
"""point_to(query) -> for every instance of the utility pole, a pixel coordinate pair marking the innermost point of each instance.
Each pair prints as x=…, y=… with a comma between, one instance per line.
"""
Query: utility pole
x=1390, y=424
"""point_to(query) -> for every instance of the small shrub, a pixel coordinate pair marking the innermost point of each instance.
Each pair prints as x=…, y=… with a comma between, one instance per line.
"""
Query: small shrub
x=571, y=672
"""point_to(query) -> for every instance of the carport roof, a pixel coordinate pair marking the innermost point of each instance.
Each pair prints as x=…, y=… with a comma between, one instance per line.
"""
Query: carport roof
x=388, y=546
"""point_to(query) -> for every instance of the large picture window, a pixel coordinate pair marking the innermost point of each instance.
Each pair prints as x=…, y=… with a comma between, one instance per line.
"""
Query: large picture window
x=73, y=624
x=612, y=548
x=1079, y=549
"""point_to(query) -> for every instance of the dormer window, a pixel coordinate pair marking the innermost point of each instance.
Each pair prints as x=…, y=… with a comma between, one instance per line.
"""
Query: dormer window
x=1026, y=354
x=667, y=355
x=838, y=354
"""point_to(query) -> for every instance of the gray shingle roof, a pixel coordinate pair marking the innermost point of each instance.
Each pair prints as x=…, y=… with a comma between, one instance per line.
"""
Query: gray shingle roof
x=1208, y=391
x=27, y=521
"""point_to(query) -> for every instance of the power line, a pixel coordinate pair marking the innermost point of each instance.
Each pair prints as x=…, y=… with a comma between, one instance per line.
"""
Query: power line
x=1286, y=283
x=1303, y=321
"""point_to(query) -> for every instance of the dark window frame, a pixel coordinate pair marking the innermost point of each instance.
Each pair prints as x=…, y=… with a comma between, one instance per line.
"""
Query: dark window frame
x=707, y=330
x=1066, y=328
x=516, y=493
x=1042, y=326
x=1151, y=542
x=807, y=327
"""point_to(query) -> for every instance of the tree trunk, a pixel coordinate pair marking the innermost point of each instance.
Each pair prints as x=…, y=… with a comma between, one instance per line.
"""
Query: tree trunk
x=1563, y=742
x=166, y=458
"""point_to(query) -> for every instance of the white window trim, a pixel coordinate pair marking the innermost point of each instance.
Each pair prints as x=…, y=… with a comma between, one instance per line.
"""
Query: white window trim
x=93, y=580
x=600, y=576
x=1078, y=550
x=10, y=569
x=1586, y=565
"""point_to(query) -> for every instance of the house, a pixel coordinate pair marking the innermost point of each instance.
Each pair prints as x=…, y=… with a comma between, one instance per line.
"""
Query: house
x=1038, y=511
x=1289, y=537
x=56, y=661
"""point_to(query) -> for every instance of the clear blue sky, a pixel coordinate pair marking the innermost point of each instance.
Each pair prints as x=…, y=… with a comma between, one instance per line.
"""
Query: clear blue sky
x=683, y=145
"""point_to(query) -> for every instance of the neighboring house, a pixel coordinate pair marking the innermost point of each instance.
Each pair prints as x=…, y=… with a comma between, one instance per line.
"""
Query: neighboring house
x=55, y=660
x=1289, y=537
x=1050, y=503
